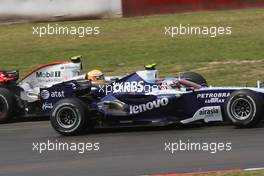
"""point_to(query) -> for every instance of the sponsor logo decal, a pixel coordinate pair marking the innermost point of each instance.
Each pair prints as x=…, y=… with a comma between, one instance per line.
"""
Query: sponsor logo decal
x=213, y=97
x=57, y=94
x=133, y=86
x=47, y=106
x=45, y=94
x=135, y=109
x=128, y=86
x=51, y=74
x=209, y=112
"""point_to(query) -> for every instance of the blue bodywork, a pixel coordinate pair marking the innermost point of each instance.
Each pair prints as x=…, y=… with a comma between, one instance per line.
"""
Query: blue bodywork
x=133, y=99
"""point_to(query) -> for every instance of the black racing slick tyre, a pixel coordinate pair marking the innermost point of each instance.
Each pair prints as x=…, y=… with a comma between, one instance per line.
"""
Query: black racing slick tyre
x=69, y=116
x=7, y=105
x=244, y=108
x=194, y=77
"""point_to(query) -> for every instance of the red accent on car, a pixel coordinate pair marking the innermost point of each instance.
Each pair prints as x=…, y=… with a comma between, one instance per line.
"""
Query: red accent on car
x=43, y=66
x=190, y=84
x=4, y=78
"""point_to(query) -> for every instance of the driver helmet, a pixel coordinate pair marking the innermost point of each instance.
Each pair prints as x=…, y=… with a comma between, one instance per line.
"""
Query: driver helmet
x=95, y=75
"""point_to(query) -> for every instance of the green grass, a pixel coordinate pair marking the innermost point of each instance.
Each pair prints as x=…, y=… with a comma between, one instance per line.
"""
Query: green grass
x=127, y=44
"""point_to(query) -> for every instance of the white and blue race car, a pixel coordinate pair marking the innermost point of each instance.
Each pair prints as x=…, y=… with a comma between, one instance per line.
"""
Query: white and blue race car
x=143, y=99
x=22, y=98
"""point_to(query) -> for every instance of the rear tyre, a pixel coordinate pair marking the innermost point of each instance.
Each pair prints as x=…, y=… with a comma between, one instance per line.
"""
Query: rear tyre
x=7, y=105
x=244, y=108
x=193, y=77
x=69, y=116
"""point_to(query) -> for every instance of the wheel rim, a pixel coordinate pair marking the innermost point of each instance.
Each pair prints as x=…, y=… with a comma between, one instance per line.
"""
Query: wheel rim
x=241, y=109
x=67, y=117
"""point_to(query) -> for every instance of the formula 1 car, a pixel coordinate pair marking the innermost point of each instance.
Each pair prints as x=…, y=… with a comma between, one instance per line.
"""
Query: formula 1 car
x=22, y=98
x=143, y=99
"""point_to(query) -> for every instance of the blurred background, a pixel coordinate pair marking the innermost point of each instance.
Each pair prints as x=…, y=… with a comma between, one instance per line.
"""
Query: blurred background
x=126, y=44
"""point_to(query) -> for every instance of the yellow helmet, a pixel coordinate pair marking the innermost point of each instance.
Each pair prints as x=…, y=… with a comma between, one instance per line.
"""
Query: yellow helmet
x=95, y=75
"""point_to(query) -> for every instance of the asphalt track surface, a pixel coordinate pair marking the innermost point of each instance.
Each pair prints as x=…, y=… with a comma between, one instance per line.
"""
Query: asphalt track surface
x=126, y=151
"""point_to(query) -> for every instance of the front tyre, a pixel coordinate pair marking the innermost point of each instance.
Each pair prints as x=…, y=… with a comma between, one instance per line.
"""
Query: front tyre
x=244, y=108
x=68, y=116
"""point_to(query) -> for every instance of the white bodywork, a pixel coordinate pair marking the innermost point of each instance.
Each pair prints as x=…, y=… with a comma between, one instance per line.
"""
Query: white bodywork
x=47, y=76
x=149, y=76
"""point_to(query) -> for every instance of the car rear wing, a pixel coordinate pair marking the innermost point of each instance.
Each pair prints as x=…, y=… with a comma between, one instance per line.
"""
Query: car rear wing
x=8, y=76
